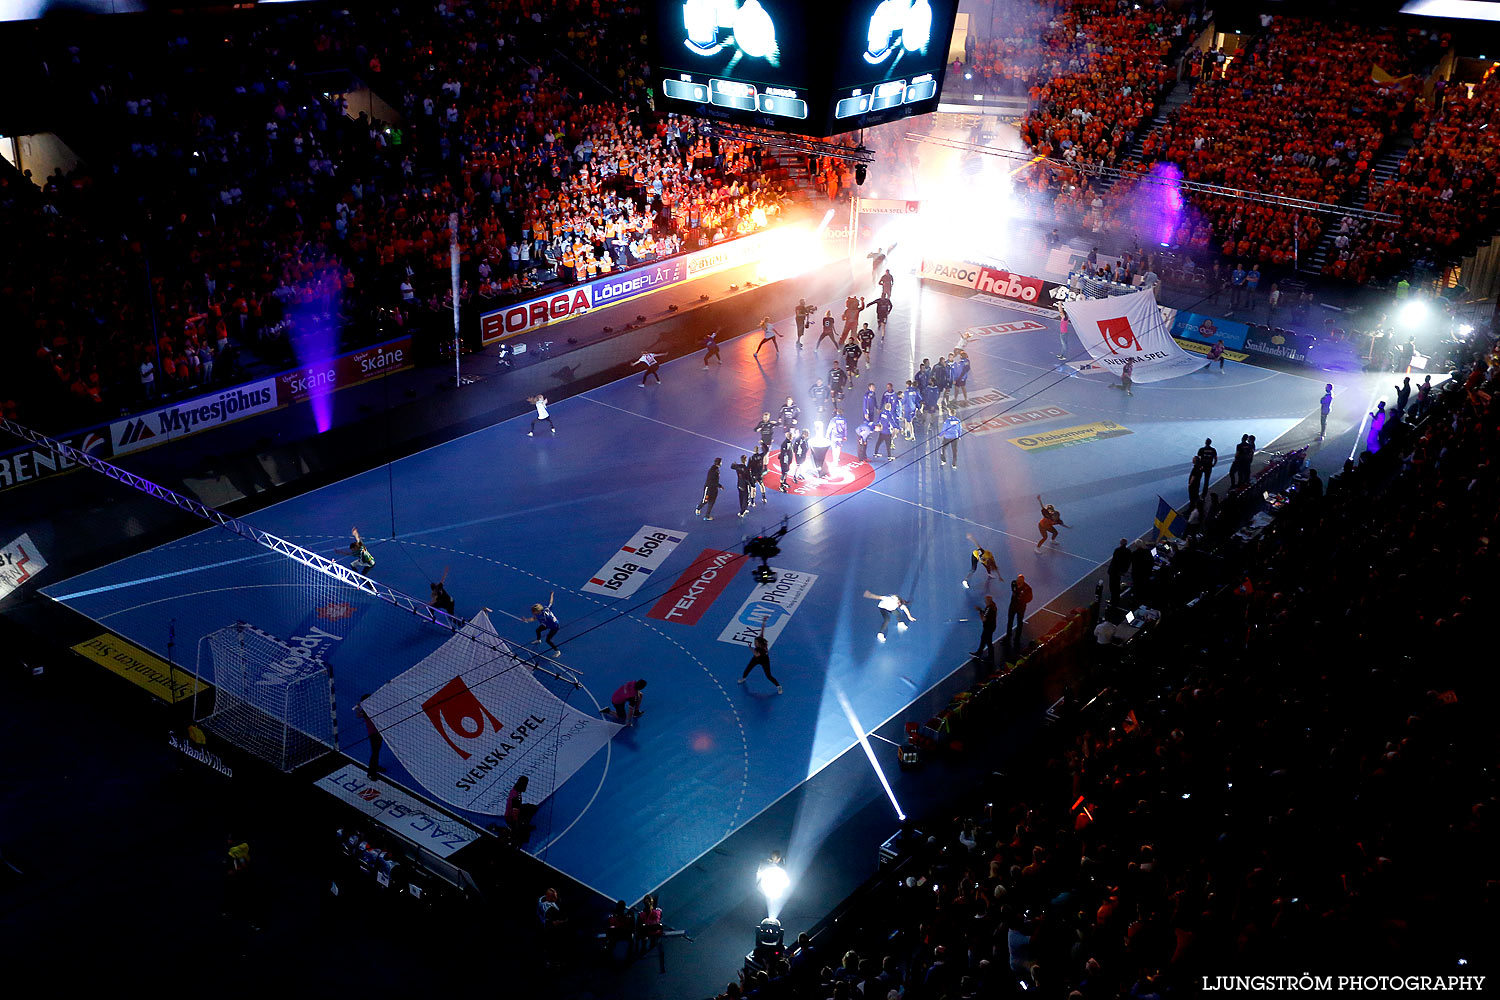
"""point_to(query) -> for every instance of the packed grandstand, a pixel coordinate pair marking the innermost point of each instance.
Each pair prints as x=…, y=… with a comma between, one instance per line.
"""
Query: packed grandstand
x=1289, y=774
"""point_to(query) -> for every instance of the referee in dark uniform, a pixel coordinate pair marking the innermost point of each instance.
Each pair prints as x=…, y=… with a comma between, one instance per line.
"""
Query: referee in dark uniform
x=710, y=491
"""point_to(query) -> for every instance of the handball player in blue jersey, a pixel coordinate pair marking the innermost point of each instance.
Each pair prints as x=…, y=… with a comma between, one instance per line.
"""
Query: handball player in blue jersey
x=546, y=622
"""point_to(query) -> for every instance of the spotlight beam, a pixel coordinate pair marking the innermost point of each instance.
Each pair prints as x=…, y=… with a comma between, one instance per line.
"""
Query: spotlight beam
x=864, y=741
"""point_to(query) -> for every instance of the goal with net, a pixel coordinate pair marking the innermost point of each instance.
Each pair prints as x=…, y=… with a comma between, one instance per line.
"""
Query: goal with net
x=270, y=697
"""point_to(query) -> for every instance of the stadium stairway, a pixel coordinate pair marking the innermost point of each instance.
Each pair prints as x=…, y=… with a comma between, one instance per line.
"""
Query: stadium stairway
x=793, y=166
x=1175, y=98
x=1381, y=171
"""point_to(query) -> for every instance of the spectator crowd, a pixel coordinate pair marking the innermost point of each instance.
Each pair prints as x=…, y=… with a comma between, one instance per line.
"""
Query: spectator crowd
x=1443, y=189
x=1266, y=784
x=247, y=196
x=1298, y=115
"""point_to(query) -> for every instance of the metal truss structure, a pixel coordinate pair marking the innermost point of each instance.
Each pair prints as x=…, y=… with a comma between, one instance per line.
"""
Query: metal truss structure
x=320, y=564
x=1115, y=174
x=795, y=143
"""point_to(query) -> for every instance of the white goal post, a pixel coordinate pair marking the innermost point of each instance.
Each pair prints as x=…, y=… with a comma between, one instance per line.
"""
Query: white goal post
x=270, y=699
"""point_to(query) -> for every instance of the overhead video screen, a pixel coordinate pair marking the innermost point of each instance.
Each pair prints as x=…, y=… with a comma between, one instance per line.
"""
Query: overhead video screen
x=815, y=69
x=1469, y=10
x=28, y=10
x=745, y=60
x=891, y=63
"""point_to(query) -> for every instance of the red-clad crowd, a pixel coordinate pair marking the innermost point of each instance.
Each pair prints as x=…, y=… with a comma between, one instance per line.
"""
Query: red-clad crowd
x=271, y=217
x=1444, y=188
x=1101, y=71
x=1106, y=67
x=1014, y=62
x=1298, y=115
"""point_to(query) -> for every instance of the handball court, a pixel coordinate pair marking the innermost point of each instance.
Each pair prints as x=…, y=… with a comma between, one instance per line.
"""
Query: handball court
x=515, y=519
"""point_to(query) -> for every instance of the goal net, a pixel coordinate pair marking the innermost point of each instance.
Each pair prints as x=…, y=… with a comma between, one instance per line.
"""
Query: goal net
x=271, y=698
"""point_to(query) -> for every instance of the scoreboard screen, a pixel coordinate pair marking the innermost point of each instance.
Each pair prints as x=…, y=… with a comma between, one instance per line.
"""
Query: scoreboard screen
x=891, y=62
x=814, y=69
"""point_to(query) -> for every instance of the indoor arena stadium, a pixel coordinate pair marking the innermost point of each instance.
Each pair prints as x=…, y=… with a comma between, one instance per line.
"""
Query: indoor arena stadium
x=400, y=402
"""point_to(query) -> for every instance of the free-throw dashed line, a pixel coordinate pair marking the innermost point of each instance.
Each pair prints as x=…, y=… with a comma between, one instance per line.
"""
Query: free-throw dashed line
x=739, y=723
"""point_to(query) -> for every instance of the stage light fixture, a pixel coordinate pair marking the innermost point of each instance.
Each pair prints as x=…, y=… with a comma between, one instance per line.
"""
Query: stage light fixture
x=770, y=945
x=860, y=170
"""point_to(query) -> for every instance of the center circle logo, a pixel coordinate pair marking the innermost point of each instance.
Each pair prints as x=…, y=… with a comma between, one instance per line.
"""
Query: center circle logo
x=847, y=475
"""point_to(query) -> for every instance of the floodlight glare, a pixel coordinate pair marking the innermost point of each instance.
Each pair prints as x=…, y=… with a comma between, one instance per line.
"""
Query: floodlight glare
x=773, y=881
x=1414, y=313
x=864, y=741
x=916, y=27
x=754, y=31
x=701, y=21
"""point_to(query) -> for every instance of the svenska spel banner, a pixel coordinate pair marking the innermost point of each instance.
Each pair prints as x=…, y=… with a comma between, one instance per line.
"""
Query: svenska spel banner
x=1121, y=327
x=467, y=722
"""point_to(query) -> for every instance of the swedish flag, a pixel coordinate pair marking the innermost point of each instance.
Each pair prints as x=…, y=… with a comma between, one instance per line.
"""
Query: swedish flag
x=1165, y=518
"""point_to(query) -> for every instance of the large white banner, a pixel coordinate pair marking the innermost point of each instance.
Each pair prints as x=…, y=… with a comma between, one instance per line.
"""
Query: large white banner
x=1121, y=327
x=467, y=723
x=19, y=562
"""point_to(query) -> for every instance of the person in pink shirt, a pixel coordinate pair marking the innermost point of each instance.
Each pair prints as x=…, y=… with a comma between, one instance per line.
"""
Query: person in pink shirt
x=626, y=701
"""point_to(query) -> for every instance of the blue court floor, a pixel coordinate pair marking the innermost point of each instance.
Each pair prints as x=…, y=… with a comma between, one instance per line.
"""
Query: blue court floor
x=518, y=518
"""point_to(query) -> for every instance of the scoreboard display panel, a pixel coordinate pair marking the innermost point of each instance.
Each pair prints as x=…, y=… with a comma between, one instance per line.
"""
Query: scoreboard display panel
x=791, y=66
x=891, y=61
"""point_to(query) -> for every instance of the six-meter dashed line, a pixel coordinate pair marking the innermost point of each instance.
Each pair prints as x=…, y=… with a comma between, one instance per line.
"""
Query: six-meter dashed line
x=739, y=723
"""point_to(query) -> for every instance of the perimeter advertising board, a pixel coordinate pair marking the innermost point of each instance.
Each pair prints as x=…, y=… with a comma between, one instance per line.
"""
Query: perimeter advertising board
x=181, y=420
x=301, y=384
x=951, y=272
x=26, y=465
x=571, y=303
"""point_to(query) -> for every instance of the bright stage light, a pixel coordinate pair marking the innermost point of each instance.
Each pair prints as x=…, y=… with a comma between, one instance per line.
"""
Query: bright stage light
x=754, y=30
x=916, y=27
x=789, y=251
x=864, y=741
x=1414, y=313
x=773, y=882
x=1464, y=329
